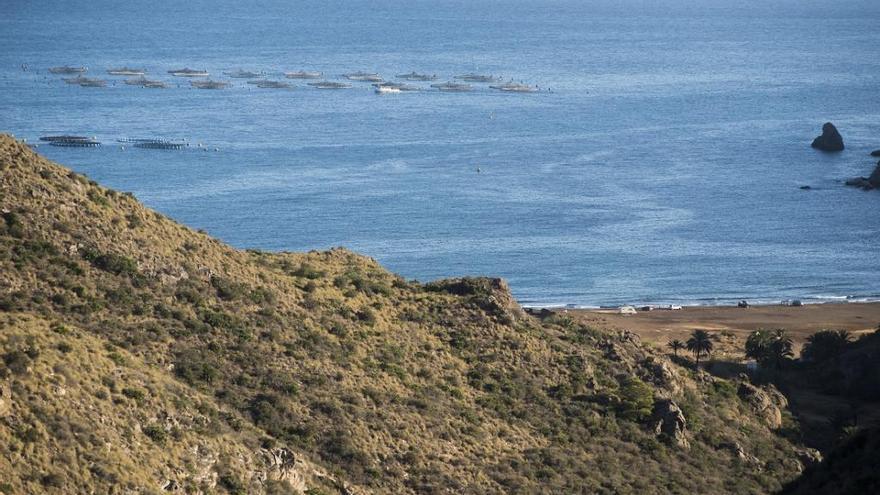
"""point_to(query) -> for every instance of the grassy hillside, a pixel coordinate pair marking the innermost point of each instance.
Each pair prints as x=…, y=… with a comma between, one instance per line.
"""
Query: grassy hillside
x=82, y=416
x=390, y=385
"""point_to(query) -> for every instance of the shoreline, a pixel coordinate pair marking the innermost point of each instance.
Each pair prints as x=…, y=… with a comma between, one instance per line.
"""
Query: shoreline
x=719, y=303
x=799, y=321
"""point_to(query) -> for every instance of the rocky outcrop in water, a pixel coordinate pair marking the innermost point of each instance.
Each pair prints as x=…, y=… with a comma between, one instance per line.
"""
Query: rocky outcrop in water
x=867, y=183
x=830, y=140
x=875, y=153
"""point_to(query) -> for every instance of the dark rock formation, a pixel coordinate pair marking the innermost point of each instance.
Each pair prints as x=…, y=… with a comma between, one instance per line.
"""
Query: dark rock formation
x=875, y=153
x=867, y=183
x=874, y=179
x=808, y=456
x=830, y=140
x=668, y=421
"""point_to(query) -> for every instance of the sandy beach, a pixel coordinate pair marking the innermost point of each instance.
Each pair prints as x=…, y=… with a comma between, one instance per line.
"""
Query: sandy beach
x=801, y=322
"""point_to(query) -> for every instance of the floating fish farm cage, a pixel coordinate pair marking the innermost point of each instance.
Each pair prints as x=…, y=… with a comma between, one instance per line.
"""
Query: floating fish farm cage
x=158, y=144
x=71, y=141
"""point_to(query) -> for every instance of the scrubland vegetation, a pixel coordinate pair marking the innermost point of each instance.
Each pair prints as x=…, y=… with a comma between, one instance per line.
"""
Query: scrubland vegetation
x=141, y=354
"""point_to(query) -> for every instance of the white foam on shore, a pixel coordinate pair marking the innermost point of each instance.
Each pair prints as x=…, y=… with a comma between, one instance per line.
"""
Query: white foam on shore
x=808, y=300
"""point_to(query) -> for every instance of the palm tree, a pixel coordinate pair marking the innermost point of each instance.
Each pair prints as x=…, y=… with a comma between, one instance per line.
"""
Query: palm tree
x=676, y=345
x=757, y=345
x=825, y=345
x=780, y=348
x=699, y=343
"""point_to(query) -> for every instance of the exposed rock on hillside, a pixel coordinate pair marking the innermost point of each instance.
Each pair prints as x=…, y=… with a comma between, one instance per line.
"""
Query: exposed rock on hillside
x=490, y=294
x=740, y=453
x=5, y=399
x=830, y=140
x=766, y=402
x=668, y=420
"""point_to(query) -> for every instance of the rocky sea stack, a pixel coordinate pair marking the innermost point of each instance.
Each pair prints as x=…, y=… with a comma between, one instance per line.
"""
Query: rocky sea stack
x=830, y=140
x=867, y=183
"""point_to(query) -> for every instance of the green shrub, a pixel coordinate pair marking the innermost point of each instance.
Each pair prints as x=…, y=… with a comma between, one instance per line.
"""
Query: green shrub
x=134, y=221
x=12, y=225
x=231, y=483
x=308, y=271
x=54, y=480
x=17, y=361
x=96, y=197
x=133, y=393
x=636, y=399
x=110, y=262
x=227, y=289
x=194, y=366
x=156, y=433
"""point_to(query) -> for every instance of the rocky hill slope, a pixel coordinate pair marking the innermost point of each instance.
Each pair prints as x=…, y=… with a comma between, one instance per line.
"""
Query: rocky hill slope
x=142, y=356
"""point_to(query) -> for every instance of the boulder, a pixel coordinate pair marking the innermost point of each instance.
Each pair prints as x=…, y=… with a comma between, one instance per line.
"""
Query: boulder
x=283, y=465
x=661, y=373
x=867, y=183
x=740, y=453
x=766, y=402
x=5, y=399
x=875, y=153
x=668, y=421
x=830, y=140
x=874, y=179
x=808, y=456
x=860, y=182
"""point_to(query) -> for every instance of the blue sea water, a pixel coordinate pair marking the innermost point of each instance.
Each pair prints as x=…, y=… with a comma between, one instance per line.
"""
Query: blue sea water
x=661, y=162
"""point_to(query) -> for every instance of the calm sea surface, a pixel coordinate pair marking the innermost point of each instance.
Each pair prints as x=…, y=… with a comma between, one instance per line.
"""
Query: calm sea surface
x=661, y=162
